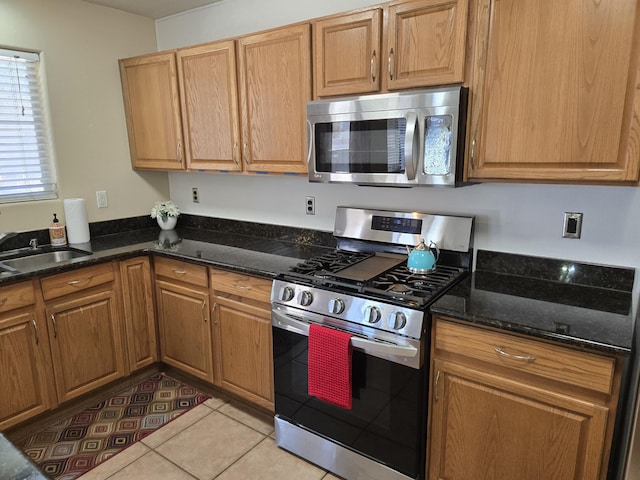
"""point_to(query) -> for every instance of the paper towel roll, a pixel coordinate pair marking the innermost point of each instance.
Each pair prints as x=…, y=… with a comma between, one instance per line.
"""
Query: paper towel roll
x=75, y=215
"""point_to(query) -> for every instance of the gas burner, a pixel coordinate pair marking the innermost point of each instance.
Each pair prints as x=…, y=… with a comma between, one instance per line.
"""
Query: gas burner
x=400, y=288
x=328, y=263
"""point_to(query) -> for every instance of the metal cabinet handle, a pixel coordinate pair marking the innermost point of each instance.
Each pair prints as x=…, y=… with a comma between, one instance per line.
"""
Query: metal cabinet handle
x=244, y=287
x=55, y=326
x=3, y=300
x=179, y=272
x=373, y=66
x=35, y=330
x=204, y=317
x=525, y=358
x=389, y=64
x=179, y=151
x=473, y=151
x=235, y=153
x=245, y=153
x=213, y=313
x=437, y=397
x=75, y=283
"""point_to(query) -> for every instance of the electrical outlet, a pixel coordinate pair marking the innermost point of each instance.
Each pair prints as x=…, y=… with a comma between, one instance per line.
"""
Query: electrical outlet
x=572, y=225
x=194, y=195
x=310, y=205
x=101, y=199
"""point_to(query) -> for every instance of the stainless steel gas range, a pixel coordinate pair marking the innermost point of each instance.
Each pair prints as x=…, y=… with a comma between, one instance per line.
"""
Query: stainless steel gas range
x=364, y=289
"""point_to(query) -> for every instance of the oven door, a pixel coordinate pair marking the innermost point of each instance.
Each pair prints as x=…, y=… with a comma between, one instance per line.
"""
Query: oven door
x=382, y=437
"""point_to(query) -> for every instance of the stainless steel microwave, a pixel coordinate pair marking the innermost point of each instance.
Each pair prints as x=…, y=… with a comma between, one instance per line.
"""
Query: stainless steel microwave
x=402, y=139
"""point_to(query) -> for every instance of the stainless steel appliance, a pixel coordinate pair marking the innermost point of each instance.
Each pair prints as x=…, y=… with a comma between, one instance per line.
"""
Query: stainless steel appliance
x=365, y=288
x=401, y=139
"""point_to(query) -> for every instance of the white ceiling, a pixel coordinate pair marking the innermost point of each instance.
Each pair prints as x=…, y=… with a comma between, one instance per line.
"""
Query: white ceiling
x=153, y=8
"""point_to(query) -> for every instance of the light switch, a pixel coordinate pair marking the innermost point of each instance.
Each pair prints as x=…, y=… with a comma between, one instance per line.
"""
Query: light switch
x=101, y=199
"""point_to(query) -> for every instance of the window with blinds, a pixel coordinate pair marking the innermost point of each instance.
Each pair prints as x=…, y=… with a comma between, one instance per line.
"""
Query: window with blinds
x=26, y=167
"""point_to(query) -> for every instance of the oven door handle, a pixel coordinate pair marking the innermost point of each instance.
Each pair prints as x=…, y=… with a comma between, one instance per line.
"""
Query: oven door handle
x=371, y=347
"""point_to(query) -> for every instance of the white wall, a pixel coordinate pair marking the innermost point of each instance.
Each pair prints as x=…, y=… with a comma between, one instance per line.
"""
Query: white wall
x=81, y=44
x=517, y=218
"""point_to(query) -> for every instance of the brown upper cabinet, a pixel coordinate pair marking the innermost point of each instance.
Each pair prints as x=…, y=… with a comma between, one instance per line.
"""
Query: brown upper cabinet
x=209, y=104
x=554, y=89
x=210, y=107
x=399, y=45
x=152, y=109
x=275, y=85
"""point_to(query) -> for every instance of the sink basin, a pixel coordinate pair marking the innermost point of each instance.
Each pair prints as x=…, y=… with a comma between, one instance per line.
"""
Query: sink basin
x=41, y=257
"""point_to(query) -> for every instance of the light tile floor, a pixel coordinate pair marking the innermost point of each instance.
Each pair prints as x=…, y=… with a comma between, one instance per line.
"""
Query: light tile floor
x=218, y=439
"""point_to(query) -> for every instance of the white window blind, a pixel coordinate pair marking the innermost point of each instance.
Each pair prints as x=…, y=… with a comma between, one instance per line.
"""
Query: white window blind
x=26, y=167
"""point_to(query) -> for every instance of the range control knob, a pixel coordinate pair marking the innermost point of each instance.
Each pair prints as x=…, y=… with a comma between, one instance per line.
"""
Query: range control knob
x=336, y=305
x=286, y=294
x=397, y=320
x=372, y=314
x=306, y=297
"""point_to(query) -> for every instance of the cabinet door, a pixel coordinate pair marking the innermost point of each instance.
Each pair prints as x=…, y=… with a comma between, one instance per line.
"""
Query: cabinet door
x=86, y=342
x=244, y=358
x=346, y=53
x=275, y=85
x=507, y=429
x=139, y=314
x=25, y=381
x=185, y=331
x=555, y=98
x=209, y=101
x=152, y=108
x=424, y=43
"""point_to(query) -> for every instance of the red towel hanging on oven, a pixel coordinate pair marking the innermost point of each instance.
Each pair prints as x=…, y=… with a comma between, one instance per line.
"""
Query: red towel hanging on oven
x=329, y=365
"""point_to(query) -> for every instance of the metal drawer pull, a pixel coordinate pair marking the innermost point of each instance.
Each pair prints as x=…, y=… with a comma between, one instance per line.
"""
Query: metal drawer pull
x=35, y=330
x=437, y=397
x=526, y=358
x=244, y=287
x=55, y=327
x=75, y=283
x=204, y=317
x=180, y=272
x=389, y=64
x=3, y=300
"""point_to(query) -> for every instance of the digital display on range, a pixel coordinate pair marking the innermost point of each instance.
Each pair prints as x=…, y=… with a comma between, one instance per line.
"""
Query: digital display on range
x=398, y=225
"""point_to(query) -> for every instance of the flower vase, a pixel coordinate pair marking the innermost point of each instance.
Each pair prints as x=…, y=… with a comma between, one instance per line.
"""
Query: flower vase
x=169, y=224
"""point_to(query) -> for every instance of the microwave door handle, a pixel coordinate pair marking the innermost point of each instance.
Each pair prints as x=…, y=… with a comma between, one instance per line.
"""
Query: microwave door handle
x=411, y=146
x=309, y=143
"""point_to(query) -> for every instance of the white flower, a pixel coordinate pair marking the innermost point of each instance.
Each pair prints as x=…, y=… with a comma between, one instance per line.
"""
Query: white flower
x=165, y=210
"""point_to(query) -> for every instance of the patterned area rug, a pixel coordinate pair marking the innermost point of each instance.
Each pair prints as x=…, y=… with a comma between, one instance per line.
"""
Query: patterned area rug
x=67, y=449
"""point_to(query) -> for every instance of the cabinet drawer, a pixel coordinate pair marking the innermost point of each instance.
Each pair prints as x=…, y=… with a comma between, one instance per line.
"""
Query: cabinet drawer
x=16, y=296
x=77, y=280
x=581, y=369
x=241, y=284
x=181, y=271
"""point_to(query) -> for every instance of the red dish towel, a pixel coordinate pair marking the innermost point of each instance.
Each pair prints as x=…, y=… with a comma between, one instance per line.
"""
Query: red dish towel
x=329, y=366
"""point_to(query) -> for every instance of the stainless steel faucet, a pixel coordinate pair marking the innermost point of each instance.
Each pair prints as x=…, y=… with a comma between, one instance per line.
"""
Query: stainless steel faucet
x=6, y=236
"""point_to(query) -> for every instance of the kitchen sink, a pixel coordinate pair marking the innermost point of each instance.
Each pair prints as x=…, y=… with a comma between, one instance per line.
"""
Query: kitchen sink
x=25, y=259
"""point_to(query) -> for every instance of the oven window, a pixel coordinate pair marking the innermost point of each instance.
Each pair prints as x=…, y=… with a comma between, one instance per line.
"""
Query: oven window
x=371, y=146
x=387, y=421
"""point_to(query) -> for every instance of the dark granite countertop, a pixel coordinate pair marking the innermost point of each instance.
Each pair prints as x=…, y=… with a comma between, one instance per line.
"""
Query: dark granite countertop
x=15, y=465
x=262, y=256
x=582, y=305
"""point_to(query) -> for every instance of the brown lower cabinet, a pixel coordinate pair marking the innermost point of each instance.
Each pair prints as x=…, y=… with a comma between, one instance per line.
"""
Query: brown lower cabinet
x=85, y=329
x=512, y=407
x=182, y=300
x=243, y=342
x=25, y=364
x=139, y=313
